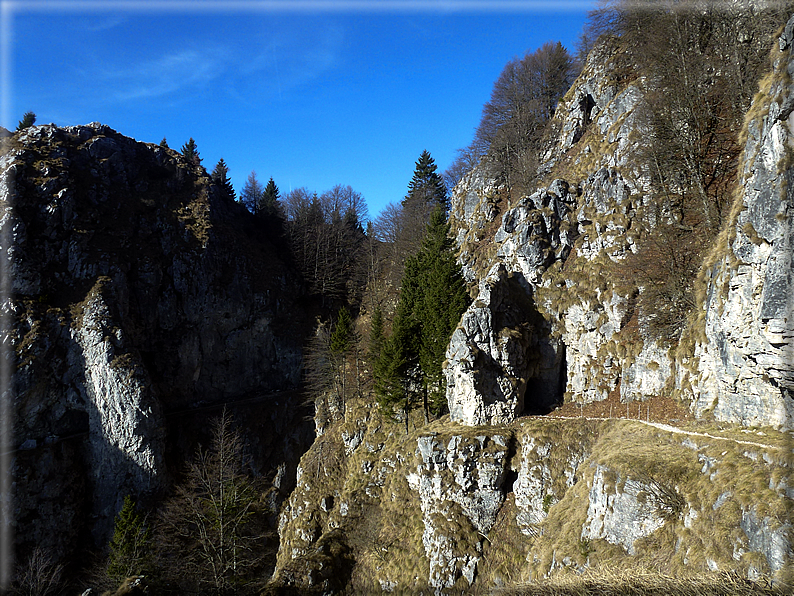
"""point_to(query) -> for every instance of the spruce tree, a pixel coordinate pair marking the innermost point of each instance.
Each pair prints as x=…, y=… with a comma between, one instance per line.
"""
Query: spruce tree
x=432, y=299
x=130, y=545
x=268, y=201
x=164, y=143
x=340, y=346
x=220, y=177
x=426, y=190
x=341, y=336
x=391, y=380
x=376, y=337
x=443, y=300
x=426, y=186
x=190, y=153
x=28, y=120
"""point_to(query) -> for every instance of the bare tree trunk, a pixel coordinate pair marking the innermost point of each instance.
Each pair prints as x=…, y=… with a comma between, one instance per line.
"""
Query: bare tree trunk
x=425, y=405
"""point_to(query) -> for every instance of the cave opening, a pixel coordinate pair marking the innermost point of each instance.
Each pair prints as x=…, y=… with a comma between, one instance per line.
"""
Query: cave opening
x=546, y=390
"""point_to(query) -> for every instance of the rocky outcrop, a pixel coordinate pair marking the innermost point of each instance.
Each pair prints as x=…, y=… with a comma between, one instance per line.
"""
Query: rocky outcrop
x=621, y=517
x=125, y=422
x=742, y=369
x=566, y=241
x=501, y=350
x=561, y=241
x=139, y=291
x=449, y=509
x=458, y=482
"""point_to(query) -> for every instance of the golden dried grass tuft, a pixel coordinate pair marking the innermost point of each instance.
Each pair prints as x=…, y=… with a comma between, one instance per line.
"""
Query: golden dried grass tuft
x=645, y=582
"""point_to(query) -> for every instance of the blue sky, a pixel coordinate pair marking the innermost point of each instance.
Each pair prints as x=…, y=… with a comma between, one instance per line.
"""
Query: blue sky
x=311, y=92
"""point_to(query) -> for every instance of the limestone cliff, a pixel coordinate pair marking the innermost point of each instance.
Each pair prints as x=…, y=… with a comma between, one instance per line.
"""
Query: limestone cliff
x=561, y=243
x=451, y=509
x=739, y=366
x=139, y=292
x=583, y=338
x=490, y=497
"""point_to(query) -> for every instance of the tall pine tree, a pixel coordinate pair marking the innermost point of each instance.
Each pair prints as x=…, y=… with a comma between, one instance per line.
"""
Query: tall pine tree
x=426, y=191
x=220, y=177
x=432, y=299
x=376, y=337
x=190, y=153
x=340, y=347
x=426, y=186
x=442, y=301
x=268, y=202
x=130, y=547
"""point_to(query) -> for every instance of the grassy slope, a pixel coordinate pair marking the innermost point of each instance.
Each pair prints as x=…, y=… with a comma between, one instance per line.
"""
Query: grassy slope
x=371, y=533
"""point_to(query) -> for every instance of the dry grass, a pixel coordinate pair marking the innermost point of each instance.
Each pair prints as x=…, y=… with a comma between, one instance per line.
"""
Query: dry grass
x=640, y=582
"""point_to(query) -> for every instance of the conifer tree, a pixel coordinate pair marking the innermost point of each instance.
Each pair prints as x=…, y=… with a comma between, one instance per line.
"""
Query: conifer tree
x=442, y=301
x=251, y=195
x=426, y=190
x=432, y=299
x=340, y=346
x=426, y=186
x=341, y=336
x=376, y=337
x=28, y=120
x=190, y=153
x=130, y=545
x=268, y=200
x=164, y=143
x=391, y=379
x=220, y=177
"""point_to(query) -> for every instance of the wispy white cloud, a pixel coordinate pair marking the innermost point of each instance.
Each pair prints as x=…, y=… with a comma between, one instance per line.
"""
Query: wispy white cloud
x=294, y=60
x=167, y=74
x=103, y=24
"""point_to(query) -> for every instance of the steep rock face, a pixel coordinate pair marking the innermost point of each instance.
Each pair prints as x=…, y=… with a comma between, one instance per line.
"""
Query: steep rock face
x=620, y=518
x=138, y=292
x=463, y=477
x=125, y=421
x=539, y=482
x=742, y=369
x=567, y=240
x=564, y=241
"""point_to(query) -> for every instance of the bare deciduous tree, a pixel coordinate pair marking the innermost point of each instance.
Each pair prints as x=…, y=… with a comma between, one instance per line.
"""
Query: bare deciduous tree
x=327, y=240
x=207, y=529
x=523, y=100
x=39, y=576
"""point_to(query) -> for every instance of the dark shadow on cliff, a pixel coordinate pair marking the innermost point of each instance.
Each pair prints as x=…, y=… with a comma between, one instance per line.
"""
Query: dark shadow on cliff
x=518, y=317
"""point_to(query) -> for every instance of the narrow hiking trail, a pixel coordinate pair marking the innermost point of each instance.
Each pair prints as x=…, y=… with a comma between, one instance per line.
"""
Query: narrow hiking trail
x=679, y=431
